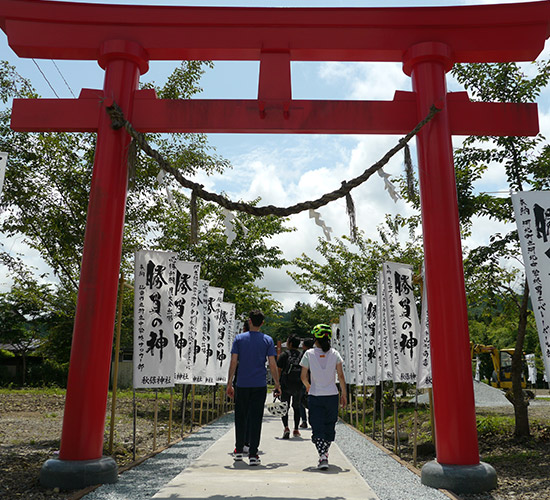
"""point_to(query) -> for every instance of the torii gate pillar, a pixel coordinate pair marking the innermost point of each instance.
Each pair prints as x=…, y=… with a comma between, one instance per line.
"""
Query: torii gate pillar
x=456, y=445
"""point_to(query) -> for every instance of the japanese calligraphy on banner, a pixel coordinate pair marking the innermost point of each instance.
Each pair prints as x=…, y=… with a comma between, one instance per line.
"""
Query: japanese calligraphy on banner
x=402, y=324
x=368, y=315
x=384, y=368
x=201, y=343
x=424, y=372
x=344, y=351
x=214, y=307
x=154, y=349
x=226, y=325
x=359, y=341
x=350, y=345
x=532, y=210
x=186, y=294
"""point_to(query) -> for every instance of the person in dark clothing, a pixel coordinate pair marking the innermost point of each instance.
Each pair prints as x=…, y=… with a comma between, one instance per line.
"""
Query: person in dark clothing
x=291, y=384
x=306, y=344
x=250, y=351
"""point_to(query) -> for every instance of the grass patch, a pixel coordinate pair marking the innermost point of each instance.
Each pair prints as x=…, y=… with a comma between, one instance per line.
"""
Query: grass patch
x=494, y=424
x=521, y=457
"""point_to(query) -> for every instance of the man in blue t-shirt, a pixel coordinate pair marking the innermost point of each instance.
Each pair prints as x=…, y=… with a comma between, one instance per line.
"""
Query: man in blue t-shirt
x=251, y=350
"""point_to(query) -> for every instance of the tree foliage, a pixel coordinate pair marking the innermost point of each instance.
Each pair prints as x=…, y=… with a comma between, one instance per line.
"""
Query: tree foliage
x=44, y=205
x=350, y=269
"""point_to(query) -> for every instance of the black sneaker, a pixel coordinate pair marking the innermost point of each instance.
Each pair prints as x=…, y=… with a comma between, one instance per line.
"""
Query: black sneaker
x=255, y=460
x=323, y=462
x=286, y=433
x=237, y=455
x=303, y=425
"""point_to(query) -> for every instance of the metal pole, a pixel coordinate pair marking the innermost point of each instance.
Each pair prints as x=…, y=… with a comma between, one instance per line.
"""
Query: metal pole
x=382, y=411
x=115, y=368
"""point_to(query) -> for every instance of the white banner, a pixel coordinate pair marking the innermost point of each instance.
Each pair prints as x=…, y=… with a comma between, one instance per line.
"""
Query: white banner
x=350, y=345
x=368, y=303
x=335, y=338
x=201, y=343
x=403, y=326
x=532, y=210
x=424, y=372
x=186, y=294
x=344, y=345
x=383, y=355
x=3, y=163
x=154, y=349
x=214, y=307
x=531, y=368
x=359, y=344
x=223, y=346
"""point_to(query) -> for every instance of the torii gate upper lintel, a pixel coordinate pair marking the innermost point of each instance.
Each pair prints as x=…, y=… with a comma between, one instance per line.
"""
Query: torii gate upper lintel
x=123, y=39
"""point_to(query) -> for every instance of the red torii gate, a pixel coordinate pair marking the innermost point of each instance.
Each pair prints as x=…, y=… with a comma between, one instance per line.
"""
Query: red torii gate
x=123, y=39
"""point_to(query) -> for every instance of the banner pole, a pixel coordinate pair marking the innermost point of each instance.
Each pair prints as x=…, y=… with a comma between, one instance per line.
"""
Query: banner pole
x=135, y=427
x=374, y=412
x=396, y=449
x=382, y=410
x=183, y=401
x=170, y=414
x=155, y=421
x=364, y=408
x=415, y=428
x=192, y=406
x=356, y=409
x=116, y=362
x=201, y=406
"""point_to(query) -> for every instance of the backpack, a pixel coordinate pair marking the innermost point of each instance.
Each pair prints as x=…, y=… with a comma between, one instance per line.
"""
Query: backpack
x=293, y=370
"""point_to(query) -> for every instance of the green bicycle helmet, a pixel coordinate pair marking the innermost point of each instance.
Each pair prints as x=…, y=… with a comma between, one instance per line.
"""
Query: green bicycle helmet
x=321, y=330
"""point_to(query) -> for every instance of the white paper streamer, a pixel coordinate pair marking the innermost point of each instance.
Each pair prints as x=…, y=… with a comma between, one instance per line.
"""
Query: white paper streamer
x=229, y=223
x=313, y=214
x=389, y=185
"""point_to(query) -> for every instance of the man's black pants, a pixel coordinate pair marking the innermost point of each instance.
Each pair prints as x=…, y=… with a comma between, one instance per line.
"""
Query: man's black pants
x=249, y=411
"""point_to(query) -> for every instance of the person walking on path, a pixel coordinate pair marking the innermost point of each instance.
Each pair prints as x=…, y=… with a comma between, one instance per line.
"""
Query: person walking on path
x=307, y=344
x=291, y=384
x=250, y=351
x=323, y=363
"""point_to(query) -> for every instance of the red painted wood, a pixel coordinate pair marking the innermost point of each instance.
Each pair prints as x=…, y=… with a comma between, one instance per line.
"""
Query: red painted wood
x=304, y=117
x=481, y=33
x=454, y=408
x=88, y=383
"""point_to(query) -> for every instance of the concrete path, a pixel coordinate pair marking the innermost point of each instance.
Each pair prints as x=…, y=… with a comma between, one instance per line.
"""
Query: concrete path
x=288, y=471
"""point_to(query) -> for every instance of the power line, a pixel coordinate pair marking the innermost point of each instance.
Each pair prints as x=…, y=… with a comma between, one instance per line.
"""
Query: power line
x=42, y=73
x=61, y=74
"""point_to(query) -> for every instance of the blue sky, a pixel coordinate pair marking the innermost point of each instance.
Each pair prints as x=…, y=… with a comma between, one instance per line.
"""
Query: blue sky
x=285, y=169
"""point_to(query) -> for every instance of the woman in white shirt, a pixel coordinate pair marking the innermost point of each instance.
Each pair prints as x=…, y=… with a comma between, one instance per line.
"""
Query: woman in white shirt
x=324, y=364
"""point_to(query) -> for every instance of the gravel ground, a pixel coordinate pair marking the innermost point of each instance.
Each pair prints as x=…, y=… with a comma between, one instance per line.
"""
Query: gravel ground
x=30, y=428
x=376, y=467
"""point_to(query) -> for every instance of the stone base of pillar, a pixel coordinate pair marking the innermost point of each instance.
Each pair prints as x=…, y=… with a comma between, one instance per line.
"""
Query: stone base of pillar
x=78, y=474
x=460, y=478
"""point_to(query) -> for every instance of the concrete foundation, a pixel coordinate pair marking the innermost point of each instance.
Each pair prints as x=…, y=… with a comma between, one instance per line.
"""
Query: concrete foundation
x=77, y=474
x=460, y=478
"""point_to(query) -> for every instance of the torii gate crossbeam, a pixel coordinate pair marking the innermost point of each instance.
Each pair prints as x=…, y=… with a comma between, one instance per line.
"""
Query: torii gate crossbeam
x=428, y=41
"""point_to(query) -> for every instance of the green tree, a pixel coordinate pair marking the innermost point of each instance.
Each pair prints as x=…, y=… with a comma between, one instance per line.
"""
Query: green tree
x=524, y=161
x=299, y=321
x=45, y=197
x=349, y=271
x=233, y=266
x=23, y=313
